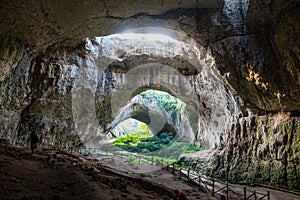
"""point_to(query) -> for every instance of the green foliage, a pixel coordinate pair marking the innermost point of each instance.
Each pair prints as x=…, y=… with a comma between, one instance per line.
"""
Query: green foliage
x=163, y=99
x=159, y=145
x=193, y=148
x=143, y=143
x=144, y=129
x=130, y=139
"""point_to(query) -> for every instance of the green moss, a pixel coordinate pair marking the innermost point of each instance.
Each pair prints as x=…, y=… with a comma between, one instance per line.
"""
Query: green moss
x=273, y=158
x=8, y=47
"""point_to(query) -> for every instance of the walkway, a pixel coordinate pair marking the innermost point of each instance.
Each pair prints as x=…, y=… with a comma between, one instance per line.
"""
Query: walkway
x=155, y=174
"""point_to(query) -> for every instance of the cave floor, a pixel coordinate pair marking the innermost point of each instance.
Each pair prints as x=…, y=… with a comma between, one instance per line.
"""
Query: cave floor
x=155, y=174
x=57, y=175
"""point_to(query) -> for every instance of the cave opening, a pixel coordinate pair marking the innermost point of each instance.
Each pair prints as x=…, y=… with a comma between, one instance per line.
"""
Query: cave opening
x=152, y=124
x=120, y=66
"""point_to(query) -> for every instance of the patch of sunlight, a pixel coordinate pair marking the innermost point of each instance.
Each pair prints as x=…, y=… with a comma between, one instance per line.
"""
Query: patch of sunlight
x=130, y=126
x=118, y=46
x=278, y=95
x=138, y=44
x=256, y=78
x=142, y=36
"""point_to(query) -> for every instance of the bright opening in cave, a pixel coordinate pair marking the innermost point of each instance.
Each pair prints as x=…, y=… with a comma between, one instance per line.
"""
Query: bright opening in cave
x=152, y=37
x=125, y=63
x=150, y=41
x=121, y=66
x=129, y=126
x=140, y=133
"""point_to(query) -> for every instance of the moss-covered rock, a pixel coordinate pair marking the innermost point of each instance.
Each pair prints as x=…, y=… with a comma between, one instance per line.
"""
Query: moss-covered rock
x=268, y=154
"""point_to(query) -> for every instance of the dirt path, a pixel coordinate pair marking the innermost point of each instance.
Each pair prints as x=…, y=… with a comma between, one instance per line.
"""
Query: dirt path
x=155, y=174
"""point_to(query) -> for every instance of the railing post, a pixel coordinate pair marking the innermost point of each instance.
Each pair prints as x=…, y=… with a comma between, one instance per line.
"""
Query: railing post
x=199, y=180
x=173, y=172
x=213, y=187
x=245, y=193
x=188, y=174
x=180, y=172
x=167, y=166
x=152, y=160
x=162, y=162
x=227, y=191
x=268, y=195
x=254, y=195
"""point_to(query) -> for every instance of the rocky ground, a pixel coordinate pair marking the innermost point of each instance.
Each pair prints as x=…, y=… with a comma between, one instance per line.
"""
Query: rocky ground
x=55, y=175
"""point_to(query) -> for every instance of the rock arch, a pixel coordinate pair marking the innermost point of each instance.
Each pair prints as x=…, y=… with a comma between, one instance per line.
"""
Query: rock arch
x=211, y=104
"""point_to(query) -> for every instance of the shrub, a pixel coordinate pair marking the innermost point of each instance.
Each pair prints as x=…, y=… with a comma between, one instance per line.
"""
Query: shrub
x=143, y=143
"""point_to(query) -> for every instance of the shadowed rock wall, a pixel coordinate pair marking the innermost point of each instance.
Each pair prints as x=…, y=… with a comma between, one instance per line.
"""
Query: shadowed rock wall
x=257, y=57
x=262, y=149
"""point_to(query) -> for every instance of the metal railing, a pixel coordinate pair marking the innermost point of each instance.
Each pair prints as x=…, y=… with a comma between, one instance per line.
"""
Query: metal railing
x=215, y=187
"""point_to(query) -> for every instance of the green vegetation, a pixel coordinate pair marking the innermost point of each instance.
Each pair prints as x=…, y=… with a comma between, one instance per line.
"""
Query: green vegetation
x=158, y=145
x=162, y=145
x=140, y=159
x=143, y=142
x=193, y=148
x=166, y=101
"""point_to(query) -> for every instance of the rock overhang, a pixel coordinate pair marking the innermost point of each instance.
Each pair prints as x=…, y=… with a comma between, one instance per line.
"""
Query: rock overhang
x=208, y=101
x=52, y=25
x=44, y=23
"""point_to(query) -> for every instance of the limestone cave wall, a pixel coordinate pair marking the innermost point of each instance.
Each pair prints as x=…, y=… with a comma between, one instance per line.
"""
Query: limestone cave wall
x=256, y=57
x=35, y=95
x=262, y=150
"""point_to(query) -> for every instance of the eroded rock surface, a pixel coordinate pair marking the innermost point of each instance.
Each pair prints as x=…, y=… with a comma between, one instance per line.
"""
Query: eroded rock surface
x=253, y=52
x=262, y=149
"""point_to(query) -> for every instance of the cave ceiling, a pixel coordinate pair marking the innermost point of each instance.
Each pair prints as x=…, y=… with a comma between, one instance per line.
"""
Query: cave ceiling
x=258, y=54
x=44, y=23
